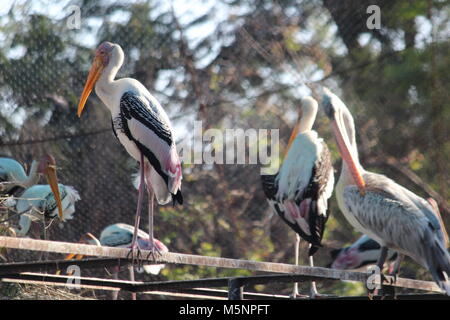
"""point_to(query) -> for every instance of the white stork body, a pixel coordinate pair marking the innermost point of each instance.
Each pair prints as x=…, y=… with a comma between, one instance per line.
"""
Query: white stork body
x=299, y=192
x=141, y=126
x=121, y=235
x=382, y=209
x=13, y=175
x=39, y=201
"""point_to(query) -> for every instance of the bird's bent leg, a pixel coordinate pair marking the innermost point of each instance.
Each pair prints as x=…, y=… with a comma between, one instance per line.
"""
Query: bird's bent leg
x=389, y=291
x=395, y=267
x=297, y=247
x=134, y=244
x=380, y=265
x=382, y=258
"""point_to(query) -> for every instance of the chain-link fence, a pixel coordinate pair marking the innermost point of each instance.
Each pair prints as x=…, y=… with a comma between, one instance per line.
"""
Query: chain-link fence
x=231, y=65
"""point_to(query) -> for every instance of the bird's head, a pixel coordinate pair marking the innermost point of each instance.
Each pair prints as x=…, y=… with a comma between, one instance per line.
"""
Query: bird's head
x=308, y=107
x=342, y=125
x=345, y=259
x=47, y=167
x=106, y=54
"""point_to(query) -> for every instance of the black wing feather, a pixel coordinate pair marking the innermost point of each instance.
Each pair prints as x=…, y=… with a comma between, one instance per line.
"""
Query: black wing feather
x=314, y=190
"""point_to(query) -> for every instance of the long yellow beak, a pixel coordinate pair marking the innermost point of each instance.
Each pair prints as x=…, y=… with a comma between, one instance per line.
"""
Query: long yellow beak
x=52, y=180
x=94, y=74
x=347, y=156
x=292, y=138
x=70, y=257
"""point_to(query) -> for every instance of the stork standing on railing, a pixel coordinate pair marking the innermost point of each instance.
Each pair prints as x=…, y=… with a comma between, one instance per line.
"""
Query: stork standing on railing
x=142, y=127
x=382, y=209
x=299, y=192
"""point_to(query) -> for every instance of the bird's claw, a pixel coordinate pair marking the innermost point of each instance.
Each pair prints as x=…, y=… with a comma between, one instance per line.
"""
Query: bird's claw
x=154, y=253
x=135, y=258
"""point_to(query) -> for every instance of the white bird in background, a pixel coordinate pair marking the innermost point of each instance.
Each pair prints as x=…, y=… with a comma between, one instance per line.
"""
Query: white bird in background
x=377, y=206
x=299, y=192
x=120, y=235
x=14, y=177
x=38, y=203
x=142, y=127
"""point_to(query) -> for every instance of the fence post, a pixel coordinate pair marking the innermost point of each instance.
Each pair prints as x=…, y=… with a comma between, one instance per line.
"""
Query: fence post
x=235, y=289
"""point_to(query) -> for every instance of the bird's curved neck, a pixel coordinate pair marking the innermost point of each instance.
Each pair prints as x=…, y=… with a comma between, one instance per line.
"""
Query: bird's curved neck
x=307, y=120
x=350, y=135
x=106, y=84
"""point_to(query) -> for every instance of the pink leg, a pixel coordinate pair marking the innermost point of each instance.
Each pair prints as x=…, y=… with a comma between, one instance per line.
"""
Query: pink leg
x=151, y=197
x=139, y=207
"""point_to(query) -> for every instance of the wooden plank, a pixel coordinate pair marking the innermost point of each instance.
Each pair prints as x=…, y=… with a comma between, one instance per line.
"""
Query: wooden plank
x=179, y=258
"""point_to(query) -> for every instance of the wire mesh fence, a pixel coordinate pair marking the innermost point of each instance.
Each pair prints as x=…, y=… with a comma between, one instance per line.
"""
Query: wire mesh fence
x=231, y=65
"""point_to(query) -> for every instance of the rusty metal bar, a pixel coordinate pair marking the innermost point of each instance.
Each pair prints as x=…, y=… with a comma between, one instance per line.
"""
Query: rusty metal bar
x=316, y=273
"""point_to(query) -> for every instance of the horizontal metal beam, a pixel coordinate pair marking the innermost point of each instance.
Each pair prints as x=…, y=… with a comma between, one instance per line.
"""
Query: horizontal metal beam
x=316, y=273
x=55, y=265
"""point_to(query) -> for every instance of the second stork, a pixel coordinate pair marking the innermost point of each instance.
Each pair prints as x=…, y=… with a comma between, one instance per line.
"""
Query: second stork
x=299, y=192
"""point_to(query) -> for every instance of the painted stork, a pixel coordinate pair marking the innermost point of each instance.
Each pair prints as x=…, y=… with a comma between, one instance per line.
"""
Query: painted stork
x=142, y=127
x=382, y=209
x=14, y=177
x=38, y=203
x=363, y=252
x=299, y=192
x=120, y=235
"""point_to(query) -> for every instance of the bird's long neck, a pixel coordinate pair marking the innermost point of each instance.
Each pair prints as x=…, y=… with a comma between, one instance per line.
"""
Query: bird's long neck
x=33, y=176
x=307, y=120
x=349, y=132
x=105, y=86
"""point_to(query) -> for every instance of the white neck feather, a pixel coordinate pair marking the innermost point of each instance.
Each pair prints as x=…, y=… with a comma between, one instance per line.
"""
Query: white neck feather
x=309, y=108
x=105, y=86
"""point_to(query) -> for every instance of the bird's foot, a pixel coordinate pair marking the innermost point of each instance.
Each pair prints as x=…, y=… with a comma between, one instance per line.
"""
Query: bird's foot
x=318, y=296
x=155, y=252
x=136, y=256
x=388, y=291
x=295, y=295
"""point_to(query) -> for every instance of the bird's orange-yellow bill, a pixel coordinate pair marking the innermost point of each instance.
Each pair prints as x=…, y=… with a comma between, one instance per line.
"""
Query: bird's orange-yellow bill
x=293, y=136
x=52, y=180
x=347, y=156
x=94, y=74
x=70, y=257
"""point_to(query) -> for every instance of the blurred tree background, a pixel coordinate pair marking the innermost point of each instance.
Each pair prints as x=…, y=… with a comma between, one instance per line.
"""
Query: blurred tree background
x=231, y=64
